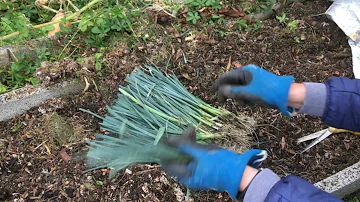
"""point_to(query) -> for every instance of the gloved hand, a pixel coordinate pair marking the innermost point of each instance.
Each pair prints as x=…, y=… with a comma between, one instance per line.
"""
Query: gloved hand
x=252, y=84
x=211, y=167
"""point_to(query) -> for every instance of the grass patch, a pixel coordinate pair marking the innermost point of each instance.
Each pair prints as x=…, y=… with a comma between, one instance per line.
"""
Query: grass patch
x=60, y=131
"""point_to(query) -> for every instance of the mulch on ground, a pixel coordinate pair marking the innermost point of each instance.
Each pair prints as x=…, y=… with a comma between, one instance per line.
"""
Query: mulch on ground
x=35, y=166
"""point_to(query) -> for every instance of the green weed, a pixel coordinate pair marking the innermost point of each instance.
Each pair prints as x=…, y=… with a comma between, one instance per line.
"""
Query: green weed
x=214, y=4
x=291, y=25
x=194, y=5
x=192, y=16
x=355, y=199
x=21, y=71
x=260, y=5
x=282, y=18
x=98, y=61
x=257, y=25
x=297, y=39
x=243, y=26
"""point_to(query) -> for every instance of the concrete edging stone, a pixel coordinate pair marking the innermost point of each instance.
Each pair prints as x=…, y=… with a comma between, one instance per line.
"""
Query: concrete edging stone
x=342, y=183
x=19, y=101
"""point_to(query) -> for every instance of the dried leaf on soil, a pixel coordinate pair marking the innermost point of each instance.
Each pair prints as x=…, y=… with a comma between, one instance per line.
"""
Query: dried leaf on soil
x=65, y=156
x=232, y=13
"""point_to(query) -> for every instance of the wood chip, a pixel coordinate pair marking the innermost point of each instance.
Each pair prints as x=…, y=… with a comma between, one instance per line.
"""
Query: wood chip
x=179, y=53
x=302, y=37
x=211, y=41
x=145, y=188
x=283, y=143
x=228, y=65
x=291, y=151
x=34, y=197
x=25, y=195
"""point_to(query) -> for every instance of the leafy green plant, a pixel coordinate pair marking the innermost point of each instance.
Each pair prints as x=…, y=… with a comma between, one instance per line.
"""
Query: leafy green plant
x=282, y=18
x=243, y=26
x=106, y=22
x=99, y=182
x=292, y=25
x=22, y=70
x=214, y=4
x=101, y=28
x=192, y=16
x=19, y=73
x=98, y=61
x=15, y=21
x=257, y=25
x=218, y=19
x=354, y=199
x=195, y=5
x=221, y=33
x=259, y=5
x=3, y=88
x=297, y=39
x=43, y=55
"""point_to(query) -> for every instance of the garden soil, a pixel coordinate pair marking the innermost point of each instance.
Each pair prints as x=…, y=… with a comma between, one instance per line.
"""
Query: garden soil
x=37, y=164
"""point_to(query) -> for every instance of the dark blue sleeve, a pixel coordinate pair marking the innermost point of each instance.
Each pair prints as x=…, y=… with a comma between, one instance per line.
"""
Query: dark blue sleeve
x=296, y=189
x=342, y=108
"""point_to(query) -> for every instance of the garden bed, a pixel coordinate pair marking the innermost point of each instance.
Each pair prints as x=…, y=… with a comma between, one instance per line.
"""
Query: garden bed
x=35, y=158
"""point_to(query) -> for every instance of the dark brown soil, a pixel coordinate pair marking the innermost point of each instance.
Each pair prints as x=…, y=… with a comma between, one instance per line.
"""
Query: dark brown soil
x=35, y=167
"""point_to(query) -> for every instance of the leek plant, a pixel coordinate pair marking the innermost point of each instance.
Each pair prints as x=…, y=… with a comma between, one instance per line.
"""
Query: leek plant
x=154, y=106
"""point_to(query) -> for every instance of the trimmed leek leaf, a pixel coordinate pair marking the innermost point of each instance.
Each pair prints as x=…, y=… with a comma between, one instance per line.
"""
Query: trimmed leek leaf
x=152, y=106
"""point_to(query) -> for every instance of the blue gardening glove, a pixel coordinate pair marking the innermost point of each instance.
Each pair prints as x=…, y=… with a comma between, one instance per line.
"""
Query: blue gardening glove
x=211, y=167
x=254, y=85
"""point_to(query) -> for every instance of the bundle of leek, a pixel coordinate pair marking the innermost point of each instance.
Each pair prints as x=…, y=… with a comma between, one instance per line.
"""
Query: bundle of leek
x=154, y=106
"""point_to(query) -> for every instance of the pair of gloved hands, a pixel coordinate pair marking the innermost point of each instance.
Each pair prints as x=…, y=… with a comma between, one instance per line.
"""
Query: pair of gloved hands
x=220, y=169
